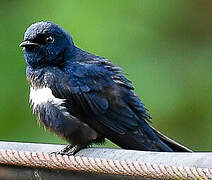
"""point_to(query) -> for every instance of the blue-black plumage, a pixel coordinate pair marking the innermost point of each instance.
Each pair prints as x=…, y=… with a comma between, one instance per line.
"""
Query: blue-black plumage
x=85, y=98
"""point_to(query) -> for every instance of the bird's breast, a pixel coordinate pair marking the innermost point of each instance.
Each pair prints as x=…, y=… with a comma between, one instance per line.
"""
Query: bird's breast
x=52, y=113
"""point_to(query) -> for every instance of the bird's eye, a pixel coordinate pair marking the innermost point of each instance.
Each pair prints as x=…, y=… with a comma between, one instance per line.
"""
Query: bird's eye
x=49, y=39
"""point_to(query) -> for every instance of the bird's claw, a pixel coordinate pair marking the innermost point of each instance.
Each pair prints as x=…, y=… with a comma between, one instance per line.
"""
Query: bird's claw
x=69, y=150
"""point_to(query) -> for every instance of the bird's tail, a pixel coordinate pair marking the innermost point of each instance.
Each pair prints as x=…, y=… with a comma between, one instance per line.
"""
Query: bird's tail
x=176, y=147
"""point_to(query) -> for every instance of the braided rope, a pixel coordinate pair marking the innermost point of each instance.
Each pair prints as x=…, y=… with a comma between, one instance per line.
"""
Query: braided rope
x=100, y=165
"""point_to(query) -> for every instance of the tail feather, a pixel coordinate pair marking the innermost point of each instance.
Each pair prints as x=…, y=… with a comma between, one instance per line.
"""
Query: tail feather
x=176, y=147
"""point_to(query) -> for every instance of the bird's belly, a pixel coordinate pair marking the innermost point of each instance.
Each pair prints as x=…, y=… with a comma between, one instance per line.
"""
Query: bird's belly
x=52, y=113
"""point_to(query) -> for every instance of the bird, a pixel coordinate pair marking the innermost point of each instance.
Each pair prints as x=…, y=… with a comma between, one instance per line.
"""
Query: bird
x=85, y=98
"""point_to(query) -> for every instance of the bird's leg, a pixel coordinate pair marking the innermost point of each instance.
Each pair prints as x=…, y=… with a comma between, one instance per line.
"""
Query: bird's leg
x=70, y=150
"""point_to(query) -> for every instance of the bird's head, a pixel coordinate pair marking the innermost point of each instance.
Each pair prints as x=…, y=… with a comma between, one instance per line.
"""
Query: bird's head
x=46, y=44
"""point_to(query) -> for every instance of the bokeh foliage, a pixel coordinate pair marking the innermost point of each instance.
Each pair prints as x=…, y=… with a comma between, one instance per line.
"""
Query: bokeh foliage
x=164, y=46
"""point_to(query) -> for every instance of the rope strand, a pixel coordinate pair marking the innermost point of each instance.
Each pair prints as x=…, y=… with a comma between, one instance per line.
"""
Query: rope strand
x=100, y=165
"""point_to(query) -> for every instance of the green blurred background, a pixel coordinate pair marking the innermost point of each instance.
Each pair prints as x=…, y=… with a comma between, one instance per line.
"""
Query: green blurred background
x=164, y=46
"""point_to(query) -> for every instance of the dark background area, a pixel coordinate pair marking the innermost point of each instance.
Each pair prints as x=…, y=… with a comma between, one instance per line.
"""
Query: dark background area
x=164, y=46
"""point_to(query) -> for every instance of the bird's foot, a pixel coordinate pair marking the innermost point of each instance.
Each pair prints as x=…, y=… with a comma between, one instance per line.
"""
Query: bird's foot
x=69, y=150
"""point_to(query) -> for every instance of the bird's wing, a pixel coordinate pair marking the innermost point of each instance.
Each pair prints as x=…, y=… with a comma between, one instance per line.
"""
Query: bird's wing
x=100, y=90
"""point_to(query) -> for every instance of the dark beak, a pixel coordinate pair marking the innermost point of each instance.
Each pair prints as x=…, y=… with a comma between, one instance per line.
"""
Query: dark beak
x=27, y=44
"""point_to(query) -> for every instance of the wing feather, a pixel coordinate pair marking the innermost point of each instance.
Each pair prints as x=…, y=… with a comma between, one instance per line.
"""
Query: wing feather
x=91, y=86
